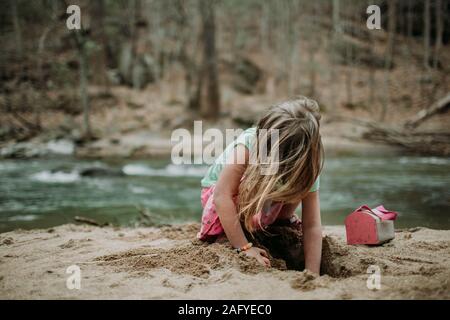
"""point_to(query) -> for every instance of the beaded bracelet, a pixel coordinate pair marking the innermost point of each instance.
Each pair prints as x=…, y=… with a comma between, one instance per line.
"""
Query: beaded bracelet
x=244, y=248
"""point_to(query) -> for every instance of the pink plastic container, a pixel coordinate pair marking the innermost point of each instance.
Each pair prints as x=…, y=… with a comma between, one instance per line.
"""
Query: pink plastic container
x=370, y=226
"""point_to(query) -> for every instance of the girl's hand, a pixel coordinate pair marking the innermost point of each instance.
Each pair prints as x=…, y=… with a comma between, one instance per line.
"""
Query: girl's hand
x=259, y=254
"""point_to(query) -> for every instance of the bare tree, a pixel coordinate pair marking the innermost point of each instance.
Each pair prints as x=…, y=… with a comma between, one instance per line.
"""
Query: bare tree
x=426, y=34
x=98, y=27
x=291, y=45
x=156, y=37
x=187, y=62
x=371, y=80
x=264, y=26
x=208, y=96
x=17, y=28
x=439, y=32
x=136, y=67
x=349, y=63
x=53, y=23
x=392, y=26
x=334, y=40
x=81, y=42
x=410, y=18
x=80, y=39
x=312, y=49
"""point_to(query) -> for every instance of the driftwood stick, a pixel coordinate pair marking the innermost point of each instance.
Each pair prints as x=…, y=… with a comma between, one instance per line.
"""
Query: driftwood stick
x=91, y=222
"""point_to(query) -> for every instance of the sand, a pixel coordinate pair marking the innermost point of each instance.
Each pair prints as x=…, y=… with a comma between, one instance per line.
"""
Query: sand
x=169, y=263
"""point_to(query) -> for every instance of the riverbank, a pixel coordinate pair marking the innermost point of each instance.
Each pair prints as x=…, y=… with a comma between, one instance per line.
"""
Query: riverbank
x=168, y=263
x=122, y=131
x=144, y=144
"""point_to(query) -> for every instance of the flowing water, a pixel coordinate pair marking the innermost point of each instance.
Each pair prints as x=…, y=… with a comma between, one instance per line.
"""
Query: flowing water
x=45, y=193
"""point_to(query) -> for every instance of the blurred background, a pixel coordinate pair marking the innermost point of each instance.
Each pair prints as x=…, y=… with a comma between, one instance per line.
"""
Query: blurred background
x=86, y=115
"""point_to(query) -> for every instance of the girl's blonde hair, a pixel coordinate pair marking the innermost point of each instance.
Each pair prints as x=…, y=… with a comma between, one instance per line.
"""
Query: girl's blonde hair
x=300, y=157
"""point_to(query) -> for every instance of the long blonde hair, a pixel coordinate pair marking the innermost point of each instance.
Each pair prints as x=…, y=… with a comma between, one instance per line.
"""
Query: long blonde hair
x=300, y=157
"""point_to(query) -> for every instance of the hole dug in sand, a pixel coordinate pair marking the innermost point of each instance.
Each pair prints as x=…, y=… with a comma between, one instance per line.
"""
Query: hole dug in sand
x=286, y=244
x=283, y=243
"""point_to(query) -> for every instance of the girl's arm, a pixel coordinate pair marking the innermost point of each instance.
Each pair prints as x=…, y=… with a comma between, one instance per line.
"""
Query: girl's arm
x=312, y=232
x=226, y=188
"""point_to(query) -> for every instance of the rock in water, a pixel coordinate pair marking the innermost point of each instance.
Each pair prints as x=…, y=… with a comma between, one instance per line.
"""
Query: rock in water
x=101, y=172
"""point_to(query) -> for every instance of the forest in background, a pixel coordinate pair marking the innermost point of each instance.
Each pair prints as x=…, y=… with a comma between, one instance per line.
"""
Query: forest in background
x=156, y=65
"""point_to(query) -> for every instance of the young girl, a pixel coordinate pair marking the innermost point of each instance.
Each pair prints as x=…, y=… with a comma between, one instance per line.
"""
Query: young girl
x=237, y=194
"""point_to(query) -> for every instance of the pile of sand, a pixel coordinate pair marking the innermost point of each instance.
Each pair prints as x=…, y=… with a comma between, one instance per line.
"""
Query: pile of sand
x=170, y=263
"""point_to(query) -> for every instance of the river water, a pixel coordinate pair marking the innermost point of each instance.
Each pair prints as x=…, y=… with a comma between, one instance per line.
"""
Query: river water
x=50, y=192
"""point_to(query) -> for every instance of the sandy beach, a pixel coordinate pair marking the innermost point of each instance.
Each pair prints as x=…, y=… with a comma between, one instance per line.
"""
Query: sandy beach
x=169, y=263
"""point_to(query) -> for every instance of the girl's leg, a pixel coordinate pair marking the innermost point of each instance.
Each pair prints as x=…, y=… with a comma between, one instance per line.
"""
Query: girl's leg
x=211, y=227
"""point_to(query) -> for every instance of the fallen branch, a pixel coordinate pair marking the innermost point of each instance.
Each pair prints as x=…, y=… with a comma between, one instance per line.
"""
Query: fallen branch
x=427, y=143
x=24, y=122
x=438, y=107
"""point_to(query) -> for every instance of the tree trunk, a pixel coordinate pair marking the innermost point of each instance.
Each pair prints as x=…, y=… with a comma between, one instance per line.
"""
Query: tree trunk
x=134, y=4
x=410, y=18
x=189, y=66
x=312, y=74
x=292, y=46
x=208, y=82
x=155, y=19
x=348, y=73
x=371, y=75
x=334, y=41
x=100, y=63
x=17, y=29
x=392, y=25
x=312, y=52
x=349, y=76
x=80, y=41
x=426, y=37
x=84, y=92
x=439, y=33
x=336, y=16
x=264, y=26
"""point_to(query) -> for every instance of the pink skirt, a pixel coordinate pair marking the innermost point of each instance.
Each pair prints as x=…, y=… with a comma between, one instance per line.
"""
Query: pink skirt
x=211, y=227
